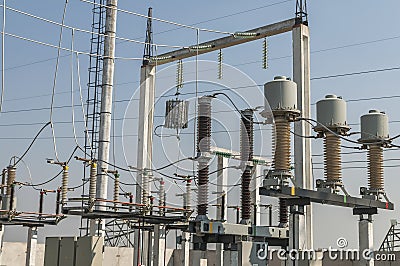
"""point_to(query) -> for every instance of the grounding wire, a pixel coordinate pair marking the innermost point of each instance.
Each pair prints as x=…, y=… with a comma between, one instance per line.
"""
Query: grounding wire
x=72, y=89
x=57, y=175
x=84, y=116
x=55, y=79
x=27, y=168
x=31, y=144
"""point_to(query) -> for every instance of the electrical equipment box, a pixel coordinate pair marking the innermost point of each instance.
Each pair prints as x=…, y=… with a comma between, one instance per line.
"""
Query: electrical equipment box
x=51, y=252
x=331, y=113
x=66, y=255
x=176, y=114
x=89, y=251
x=374, y=126
x=280, y=94
x=73, y=251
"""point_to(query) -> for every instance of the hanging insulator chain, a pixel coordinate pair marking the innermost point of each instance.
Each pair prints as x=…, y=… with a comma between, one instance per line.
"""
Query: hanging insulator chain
x=179, y=76
x=220, y=58
x=265, y=53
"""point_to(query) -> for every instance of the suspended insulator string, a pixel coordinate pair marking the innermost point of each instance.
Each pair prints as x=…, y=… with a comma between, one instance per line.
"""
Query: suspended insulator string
x=220, y=58
x=265, y=53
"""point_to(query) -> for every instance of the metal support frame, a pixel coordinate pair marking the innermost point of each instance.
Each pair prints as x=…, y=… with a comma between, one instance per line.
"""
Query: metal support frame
x=392, y=238
x=97, y=228
x=221, y=43
x=301, y=75
x=302, y=146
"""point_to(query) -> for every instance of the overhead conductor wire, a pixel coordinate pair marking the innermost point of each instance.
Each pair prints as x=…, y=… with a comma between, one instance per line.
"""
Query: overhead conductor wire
x=158, y=19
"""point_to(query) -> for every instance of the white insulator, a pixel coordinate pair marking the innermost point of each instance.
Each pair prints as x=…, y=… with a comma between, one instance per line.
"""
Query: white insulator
x=64, y=184
x=92, y=182
x=188, y=194
x=162, y=197
x=116, y=189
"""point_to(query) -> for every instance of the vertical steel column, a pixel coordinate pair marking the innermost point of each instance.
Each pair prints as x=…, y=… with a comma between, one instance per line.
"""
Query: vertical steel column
x=302, y=146
x=106, y=108
x=144, y=154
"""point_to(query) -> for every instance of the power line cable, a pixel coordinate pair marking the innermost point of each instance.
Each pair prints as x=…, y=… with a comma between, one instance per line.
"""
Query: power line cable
x=66, y=49
x=32, y=142
x=157, y=19
x=84, y=31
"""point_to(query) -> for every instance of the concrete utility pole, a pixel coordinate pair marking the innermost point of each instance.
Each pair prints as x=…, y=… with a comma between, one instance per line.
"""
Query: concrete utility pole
x=105, y=112
x=302, y=146
x=222, y=206
x=31, y=244
x=144, y=156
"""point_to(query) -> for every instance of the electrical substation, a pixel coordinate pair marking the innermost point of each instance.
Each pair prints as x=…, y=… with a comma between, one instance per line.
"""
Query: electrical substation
x=133, y=227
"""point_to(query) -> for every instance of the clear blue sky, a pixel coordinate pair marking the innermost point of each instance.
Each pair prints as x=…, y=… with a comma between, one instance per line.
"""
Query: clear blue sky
x=346, y=37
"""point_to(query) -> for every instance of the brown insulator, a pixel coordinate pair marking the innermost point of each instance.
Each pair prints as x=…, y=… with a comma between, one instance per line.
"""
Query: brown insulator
x=281, y=162
x=203, y=146
x=11, y=173
x=246, y=156
x=375, y=167
x=332, y=158
x=281, y=142
x=64, y=185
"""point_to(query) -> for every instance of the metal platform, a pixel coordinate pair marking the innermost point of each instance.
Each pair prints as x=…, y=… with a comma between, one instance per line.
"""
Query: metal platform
x=98, y=214
x=30, y=221
x=326, y=198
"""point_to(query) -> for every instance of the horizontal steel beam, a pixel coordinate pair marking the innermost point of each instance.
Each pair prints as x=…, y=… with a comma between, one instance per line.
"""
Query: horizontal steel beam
x=326, y=198
x=217, y=44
